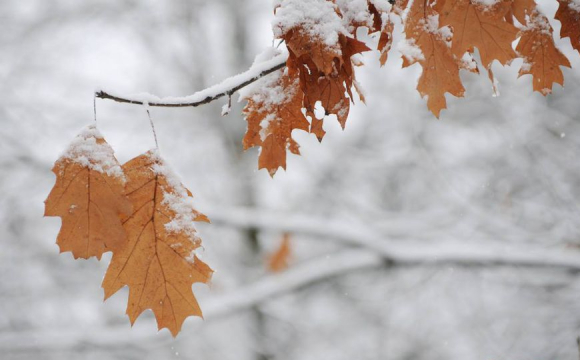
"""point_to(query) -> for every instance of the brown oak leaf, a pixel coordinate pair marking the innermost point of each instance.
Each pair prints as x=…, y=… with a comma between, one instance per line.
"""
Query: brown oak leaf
x=521, y=8
x=440, y=68
x=89, y=197
x=385, y=42
x=278, y=261
x=272, y=113
x=480, y=26
x=569, y=16
x=324, y=64
x=542, y=59
x=158, y=264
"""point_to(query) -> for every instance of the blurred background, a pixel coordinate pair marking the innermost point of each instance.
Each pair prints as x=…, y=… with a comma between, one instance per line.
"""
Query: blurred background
x=412, y=238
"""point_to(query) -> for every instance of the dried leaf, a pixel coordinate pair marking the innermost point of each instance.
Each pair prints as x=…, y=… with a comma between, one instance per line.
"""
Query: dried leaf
x=271, y=121
x=88, y=196
x=158, y=264
x=385, y=42
x=569, y=15
x=440, y=68
x=542, y=59
x=325, y=68
x=521, y=8
x=483, y=27
x=278, y=261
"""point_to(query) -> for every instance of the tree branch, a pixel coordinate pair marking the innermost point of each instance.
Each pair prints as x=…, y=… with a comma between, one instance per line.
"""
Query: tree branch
x=233, y=301
x=226, y=87
x=403, y=252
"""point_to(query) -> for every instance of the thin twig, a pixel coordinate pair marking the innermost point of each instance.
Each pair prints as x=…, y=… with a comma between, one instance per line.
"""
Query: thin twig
x=104, y=95
x=95, y=107
x=153, y=129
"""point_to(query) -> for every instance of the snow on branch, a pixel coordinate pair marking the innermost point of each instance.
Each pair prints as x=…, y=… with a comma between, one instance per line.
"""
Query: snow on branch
x=226, y=87
x=396, y=251
x=231, y=302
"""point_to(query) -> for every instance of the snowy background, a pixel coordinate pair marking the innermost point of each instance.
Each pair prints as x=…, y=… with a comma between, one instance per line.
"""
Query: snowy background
x=413, y=238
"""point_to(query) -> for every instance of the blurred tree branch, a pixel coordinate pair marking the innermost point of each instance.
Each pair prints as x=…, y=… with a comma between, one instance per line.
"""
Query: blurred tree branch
x=397, y=251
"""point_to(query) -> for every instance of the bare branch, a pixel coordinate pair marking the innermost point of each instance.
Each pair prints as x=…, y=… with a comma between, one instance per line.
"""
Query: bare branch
x=231, y=302
x=403, y=252
x=225, y=88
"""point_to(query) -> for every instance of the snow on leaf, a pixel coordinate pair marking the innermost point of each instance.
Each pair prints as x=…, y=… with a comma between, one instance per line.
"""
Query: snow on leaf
x=542, y=59
x=273, y=111
x=440, y=68
x=481, y=26
x=89, y=197
x=158, y=263
x=569, y=15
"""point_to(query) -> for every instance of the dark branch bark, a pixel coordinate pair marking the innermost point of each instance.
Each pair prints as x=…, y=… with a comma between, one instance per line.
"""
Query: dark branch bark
x=207, y=99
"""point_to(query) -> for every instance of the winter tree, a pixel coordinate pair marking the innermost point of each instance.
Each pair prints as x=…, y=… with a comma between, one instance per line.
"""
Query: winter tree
x=432, y=213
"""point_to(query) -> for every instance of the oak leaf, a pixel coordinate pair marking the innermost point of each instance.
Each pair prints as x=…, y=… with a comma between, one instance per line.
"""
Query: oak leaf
x=278, y=261
x=273, y=112
x=440, y=68
x=569, y=15
x=89, y=197
x=521, y=8
x=385, y=41
x=158, y=263
x=480, y=26
x=542, y=59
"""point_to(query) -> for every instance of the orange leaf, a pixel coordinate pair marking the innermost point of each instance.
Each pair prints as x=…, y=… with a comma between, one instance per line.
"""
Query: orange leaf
x=541, y=57
x=483, y=27
x=440, y=68
x=88, y=196
x=385, y=42
x=278, y=261
x=521, y=8
x=569, y=16
x=158, y=263
x=272, y=118
x=324, y=62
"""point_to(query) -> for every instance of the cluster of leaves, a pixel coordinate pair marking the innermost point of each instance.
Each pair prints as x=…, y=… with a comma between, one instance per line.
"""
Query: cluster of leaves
x=440, y=35
x=142, y=214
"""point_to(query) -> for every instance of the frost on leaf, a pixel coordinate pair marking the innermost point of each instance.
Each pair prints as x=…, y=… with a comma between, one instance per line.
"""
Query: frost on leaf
x=273, y=111
x=485, y=27
x=440, y=68
x=158, y=263
x=542, y=59
x=320, y=50
x=569, y=15
x=89, y=197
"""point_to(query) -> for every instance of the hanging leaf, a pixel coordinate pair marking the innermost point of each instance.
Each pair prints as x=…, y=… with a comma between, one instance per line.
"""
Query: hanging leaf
x=569, y=15
x=430, y=48
x=89, y=197
x=481, y=26
x=273, y=111
x=542, y=59
x=159, y=262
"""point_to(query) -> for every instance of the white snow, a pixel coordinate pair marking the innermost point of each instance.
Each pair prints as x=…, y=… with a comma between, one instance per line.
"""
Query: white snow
x=223, y=87
x=268, y=91
x=382, y=5
x=86, y=150
x=486, y=3
x=574, y=5
x=318, y=18
x=354, y=11
x=538, y=22
x=177, y=200
x=409, y=50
